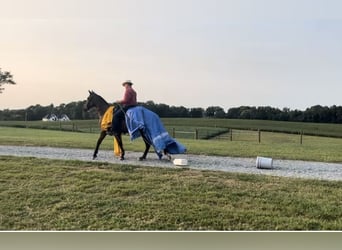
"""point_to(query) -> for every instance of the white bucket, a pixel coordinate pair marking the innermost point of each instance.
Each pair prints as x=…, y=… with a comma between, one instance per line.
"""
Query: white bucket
x=263, y=162
x=180, y=162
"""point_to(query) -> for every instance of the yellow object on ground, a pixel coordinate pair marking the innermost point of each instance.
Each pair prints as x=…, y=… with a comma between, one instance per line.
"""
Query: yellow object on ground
x=117, y=150
x=106, y=122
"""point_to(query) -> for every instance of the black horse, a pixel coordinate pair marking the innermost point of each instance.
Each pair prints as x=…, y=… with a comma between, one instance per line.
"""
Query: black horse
x=94, y=100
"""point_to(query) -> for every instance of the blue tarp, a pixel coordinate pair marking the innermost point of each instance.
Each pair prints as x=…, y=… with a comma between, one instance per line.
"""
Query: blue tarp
x=141, y=118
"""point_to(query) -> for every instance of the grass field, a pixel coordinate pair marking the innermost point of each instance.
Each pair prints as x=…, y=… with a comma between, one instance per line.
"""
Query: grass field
x=321, y=129
x=206, y=127
x=40, y=194
x=275, y=145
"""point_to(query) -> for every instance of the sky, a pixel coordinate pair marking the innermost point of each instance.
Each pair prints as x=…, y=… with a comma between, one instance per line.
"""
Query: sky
x=191, y=53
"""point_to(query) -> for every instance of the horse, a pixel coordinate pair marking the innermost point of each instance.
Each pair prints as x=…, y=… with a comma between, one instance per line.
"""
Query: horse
x=96, y=101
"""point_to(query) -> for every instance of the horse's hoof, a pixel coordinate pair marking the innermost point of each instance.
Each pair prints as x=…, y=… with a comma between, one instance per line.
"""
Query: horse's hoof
x=160, y=155
x=142, y=158
x=122, y=158
x=94, y=157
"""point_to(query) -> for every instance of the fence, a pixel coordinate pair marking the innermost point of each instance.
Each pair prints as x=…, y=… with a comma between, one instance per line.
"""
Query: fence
x=194, y=133
x=242, y=135
x=186, y=132
x=213, y=134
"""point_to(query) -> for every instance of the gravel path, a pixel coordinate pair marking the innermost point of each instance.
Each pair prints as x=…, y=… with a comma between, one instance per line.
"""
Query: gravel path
x=284, y=168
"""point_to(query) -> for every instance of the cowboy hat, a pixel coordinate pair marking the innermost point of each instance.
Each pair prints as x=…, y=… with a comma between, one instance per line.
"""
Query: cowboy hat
x=127, y=82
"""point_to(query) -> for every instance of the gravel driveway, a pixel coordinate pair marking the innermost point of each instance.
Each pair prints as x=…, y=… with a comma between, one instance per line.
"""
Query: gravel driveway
x=284, y=168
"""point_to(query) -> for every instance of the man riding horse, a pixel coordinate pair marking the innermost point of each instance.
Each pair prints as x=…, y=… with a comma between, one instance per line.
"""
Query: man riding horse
x=129, y=101
x=136, y=120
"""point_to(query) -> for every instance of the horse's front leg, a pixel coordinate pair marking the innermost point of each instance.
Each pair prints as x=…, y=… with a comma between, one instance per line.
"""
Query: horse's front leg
x=147, y=146
x=99, y=141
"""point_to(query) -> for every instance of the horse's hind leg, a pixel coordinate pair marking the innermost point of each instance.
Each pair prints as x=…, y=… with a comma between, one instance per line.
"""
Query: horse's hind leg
x=119, y=140
x=167, y=155
x=147, y=146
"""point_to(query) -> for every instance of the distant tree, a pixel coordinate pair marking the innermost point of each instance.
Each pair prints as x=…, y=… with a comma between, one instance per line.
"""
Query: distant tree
x=37, y=112
x=233, y=113
x=150, y=105
x=196, y=112
x=338, y=114
x=215, y=112
x=164, y=110
x=246, y=114
x=5, y=77
x=296, y=115
x=178, y=112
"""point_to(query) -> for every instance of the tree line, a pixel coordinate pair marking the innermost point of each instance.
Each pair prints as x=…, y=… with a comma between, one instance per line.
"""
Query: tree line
x=74, y=110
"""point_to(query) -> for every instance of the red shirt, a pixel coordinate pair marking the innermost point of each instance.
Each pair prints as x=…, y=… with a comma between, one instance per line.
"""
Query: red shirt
x=130, y=97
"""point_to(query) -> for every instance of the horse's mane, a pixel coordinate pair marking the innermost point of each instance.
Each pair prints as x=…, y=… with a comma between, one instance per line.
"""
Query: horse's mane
x=100, y=97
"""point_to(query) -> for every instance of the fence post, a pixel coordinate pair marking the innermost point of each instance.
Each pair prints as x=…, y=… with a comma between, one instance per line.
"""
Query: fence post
x=259, y=135
x=173, y=132
x=26, y=116
x=301, y=137
x=196, y=134
x=231, y=134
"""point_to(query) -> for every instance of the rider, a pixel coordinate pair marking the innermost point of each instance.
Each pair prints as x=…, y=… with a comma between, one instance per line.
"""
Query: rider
x=129, y=100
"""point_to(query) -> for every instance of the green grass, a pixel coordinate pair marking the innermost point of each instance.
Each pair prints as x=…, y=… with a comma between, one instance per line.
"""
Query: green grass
x=188, y=132
x=89, y=126
x=206, y=127
x=275, y=145
x=43, y=137
x=40, y=194
x=322, y=129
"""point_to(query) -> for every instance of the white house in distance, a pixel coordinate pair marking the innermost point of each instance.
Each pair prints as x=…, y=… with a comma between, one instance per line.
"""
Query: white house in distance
x=54, y=118
x=64, y=118
x=50, y=118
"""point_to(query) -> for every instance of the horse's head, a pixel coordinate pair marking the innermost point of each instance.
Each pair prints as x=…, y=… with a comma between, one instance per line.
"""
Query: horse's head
x=94, y=100
x=90, y=103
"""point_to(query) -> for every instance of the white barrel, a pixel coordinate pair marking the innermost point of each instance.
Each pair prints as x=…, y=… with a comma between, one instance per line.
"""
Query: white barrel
x=180, y=162
x=263, y=162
